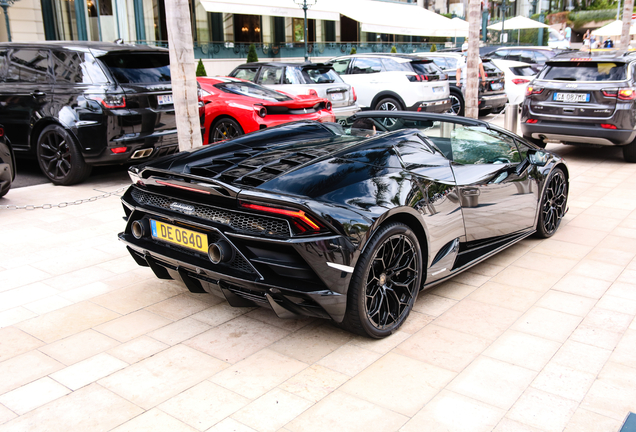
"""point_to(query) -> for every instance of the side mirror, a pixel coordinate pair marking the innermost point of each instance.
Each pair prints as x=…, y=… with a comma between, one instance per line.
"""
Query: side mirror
x=539, y=158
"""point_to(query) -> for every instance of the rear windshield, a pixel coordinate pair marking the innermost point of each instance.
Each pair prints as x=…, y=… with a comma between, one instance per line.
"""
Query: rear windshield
x=522, y=70
x=490, y=66
x=252, y=90
x=131, y=68
x=426, y=68
x=321, y=75
x=584, y=71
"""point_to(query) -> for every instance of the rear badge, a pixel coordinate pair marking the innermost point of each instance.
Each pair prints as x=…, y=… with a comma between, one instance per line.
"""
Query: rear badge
x=182, y=208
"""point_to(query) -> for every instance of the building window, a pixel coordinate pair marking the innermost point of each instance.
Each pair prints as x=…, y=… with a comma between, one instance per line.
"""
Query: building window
x=299, y=30
x=247, y=28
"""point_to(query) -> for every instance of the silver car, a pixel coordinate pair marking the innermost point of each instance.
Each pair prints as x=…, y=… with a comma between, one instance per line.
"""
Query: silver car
x=303, y=78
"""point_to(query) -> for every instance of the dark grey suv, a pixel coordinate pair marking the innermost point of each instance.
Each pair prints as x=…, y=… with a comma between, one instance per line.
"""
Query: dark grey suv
x=584, y=99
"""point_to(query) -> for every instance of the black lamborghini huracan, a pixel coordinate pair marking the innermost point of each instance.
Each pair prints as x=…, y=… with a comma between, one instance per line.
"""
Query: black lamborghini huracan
x=347, y=224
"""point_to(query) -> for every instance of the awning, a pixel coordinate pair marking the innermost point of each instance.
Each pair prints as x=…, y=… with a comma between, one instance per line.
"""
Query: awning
x=517, y=23
x=615, y=28
x=392, y=18
x=279, y=8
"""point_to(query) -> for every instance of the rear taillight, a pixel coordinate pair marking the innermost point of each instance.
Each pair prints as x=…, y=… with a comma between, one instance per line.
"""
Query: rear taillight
x=627, y=94
x=532, y=121
x=302, y=223
x=109, y=100
x=533, y=90
x=607, y=126
x=611, y=93
x=1, y=132
x=260, y=110
x=414, y=78
x=520, y=81
x=355, y=97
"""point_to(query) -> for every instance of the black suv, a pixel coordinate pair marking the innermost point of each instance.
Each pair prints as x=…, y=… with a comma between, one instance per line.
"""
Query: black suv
x=78, y=104
x=492, y=94
x=582, y=98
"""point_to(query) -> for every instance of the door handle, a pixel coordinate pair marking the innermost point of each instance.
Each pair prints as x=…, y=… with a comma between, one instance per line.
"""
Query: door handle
x=37, y=93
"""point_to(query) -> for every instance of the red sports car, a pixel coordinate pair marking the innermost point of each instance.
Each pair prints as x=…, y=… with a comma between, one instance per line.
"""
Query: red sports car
x=234, y=107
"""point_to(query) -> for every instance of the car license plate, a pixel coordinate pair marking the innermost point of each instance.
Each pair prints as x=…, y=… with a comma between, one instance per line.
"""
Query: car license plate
x=179, y=236
x=438, y=89
x=337, y=96
x=164, y=99
x=496, y=86
x=571, y=97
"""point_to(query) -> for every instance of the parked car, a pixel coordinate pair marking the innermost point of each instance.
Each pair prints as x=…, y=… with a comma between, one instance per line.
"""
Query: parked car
x=395, y=82
x=234, y=107
x=73, y=105
x=518, y=75
x=535, y=56
x=311, y=219
x=7, y=163
x=584, y=99
x=303, y=79
x=492, y=95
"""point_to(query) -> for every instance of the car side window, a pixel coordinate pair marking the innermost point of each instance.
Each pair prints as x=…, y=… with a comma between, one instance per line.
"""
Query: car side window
x=440, y=61
x=341, y=65
x=473, y=145
x=28, y=65
x=293, y=76
x=67, y=68
x=270, y=75
x=391, y=65
x=247, y=74
x=452, y=62
x=500, y=54
x=366, y=66
x=527, y=56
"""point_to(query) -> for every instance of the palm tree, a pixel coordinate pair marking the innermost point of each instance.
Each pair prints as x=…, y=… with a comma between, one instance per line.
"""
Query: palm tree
x=472, y=68
x=628, y=8
x=183, y=72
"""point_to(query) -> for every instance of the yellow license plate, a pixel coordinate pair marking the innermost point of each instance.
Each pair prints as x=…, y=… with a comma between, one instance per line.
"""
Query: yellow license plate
x=179, y=236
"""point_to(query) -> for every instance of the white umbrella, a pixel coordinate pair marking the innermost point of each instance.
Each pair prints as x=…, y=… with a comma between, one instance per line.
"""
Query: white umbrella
x=517, y=23
x=614, y=28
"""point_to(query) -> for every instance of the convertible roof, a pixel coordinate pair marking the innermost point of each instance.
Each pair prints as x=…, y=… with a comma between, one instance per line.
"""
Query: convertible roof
x=465, y=121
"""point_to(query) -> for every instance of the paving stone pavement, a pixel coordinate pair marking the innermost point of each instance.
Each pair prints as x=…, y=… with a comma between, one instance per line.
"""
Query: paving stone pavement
x=541, y=337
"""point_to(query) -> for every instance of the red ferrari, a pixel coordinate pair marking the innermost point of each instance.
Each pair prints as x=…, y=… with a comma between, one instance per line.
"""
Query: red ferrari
x=234, y=107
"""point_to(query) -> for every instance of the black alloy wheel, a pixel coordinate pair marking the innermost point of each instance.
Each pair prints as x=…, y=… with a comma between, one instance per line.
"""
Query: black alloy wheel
x=224, y=129
x=457, y=104
x=388, y=104
x=59, y=158
x=553, y=204
x=385, y=283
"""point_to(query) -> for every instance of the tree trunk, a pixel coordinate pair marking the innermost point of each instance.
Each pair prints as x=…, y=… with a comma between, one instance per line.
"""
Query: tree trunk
x=183, y=72
x=628, y=8
x=472, y=68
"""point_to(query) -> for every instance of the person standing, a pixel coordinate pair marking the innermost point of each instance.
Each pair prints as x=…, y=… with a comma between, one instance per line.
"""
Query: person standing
x=568, y=34
x=462, y=70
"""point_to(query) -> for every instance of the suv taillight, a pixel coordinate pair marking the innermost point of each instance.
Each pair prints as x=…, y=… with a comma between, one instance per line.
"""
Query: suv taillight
x=109, y=100
x=520, y=81
x=414, y=78
x=533, y=90
x=622, y=94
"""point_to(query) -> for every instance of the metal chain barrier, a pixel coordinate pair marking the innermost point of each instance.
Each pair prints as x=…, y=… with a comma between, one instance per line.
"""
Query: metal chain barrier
x=63, y=204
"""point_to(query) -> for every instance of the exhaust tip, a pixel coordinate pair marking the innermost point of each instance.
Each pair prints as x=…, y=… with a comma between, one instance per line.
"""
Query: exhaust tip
x=220, y=252
x=139, y=228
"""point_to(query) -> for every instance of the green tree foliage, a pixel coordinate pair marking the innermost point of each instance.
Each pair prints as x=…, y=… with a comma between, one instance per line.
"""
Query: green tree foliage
x=393, y=49
x=251, y=54
x=201, y=69
x=353, y=50
x=433, y=48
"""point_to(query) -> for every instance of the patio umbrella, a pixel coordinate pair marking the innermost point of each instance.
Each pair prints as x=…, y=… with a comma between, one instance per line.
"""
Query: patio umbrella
x=517, y=23
x=614, y=28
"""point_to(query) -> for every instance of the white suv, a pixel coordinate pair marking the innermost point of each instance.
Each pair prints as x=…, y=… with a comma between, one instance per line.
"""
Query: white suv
x=395, y=82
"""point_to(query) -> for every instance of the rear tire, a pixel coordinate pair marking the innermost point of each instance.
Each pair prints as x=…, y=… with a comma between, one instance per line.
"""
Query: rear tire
x=457, y=103
x=385, y=282
x=59, y=157
x=629, y=152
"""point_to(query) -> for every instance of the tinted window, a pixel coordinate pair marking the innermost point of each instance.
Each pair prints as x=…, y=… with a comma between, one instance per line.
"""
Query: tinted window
x=27, y=65
x=293, y=76
x=270, y=75
x=423, y=68
x=3, y=64
x=248, y=74
x=540, y=57
x=584, y=71
x=252, y=90
x=73, y=68
x=392, y=65
x=321, y=75
x=522, y=70
x=340, y=66
x=500, y=54
x=489, y=66
x=441, y=62
x=138, y=67
x=479, y=145
x=366, y=65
